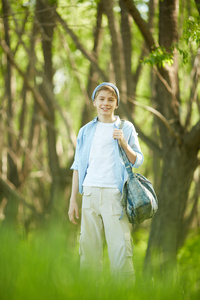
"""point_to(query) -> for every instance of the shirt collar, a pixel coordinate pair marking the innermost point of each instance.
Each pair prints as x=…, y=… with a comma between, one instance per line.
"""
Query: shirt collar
x=94, y=120
x=116, y=123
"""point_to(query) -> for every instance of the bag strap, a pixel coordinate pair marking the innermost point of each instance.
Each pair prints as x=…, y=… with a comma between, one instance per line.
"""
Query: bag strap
x=123, y=154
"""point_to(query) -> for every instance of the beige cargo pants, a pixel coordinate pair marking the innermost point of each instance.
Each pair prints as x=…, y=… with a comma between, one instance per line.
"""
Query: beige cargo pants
x=101, y=210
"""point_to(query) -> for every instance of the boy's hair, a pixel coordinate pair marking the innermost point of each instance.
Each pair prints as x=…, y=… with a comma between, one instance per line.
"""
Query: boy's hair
x=109, y=87
x=106, y=88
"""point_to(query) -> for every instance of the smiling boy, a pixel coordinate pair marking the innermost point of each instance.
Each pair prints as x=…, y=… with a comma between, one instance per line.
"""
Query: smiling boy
x=99, y=175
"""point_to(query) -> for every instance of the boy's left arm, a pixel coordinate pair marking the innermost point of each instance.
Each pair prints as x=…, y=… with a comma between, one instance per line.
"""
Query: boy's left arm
x=131, y=154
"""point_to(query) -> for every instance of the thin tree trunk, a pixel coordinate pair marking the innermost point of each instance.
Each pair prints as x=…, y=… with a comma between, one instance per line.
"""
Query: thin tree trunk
x=116, y=47
x=93, y=74
x=47, y=24
x=127, y=53
x=198, y=5
x=155, y=136
x=13, y=176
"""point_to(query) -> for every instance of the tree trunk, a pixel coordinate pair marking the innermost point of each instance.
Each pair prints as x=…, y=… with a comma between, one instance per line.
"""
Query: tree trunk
x=155, y=136
x=47, y=24
x=116, y=47
x=178, y=169
x=179, y=159
x=93, y=74
x=198, y=5
x=11, y=208
x=179, y=148
x=127, y=53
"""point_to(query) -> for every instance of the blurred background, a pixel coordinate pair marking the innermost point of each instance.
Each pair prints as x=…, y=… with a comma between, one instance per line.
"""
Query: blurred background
x=52, y=55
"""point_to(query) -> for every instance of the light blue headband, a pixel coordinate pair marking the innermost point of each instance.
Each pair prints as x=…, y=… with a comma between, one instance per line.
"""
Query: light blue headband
x=109, y=84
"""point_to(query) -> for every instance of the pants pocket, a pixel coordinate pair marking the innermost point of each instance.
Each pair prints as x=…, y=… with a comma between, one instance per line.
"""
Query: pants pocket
x=128, y=244
x=86, y=200
x=116, y=204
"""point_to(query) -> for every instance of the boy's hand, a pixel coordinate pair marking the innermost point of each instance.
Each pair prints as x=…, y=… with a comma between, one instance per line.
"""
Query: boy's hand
x=118, y=135
x=73, y=212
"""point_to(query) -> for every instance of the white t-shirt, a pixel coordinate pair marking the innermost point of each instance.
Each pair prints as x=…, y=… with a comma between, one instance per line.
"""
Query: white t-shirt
x=101, y=167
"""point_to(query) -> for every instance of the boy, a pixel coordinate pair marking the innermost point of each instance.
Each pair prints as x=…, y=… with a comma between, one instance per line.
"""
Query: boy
x=99, y=175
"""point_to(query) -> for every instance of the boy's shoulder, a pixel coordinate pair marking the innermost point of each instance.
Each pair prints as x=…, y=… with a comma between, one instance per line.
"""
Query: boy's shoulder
x=127, y=124
x=129, y=128
x=87, y=126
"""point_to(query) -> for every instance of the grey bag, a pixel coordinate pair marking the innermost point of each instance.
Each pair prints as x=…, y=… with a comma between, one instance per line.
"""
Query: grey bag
x=138, y=197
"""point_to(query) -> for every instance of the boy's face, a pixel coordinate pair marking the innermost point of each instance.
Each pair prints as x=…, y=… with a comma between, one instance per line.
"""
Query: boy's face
x=105, y=103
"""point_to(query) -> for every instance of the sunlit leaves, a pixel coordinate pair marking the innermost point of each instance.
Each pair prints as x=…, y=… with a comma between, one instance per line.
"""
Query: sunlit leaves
x=159, y=57
x=191, y=33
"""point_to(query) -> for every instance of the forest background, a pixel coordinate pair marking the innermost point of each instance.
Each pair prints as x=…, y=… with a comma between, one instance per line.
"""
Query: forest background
x=52, y=56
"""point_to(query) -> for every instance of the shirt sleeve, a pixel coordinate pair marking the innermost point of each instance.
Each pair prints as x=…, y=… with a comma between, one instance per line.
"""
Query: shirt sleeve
x=134, y=143
x=76, y=157
x=74, y=166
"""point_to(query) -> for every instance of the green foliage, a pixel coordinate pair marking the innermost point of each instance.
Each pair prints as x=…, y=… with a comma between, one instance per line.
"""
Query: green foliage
x=191, y=33
x=45, y=265
x=184, y=54
x=189, y=262
x=159, y=57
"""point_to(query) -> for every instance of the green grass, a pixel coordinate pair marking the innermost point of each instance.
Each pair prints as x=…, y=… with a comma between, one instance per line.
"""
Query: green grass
x=45, y=265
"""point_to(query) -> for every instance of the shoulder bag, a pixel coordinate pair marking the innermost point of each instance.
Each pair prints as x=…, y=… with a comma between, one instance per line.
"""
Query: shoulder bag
x=138, y=197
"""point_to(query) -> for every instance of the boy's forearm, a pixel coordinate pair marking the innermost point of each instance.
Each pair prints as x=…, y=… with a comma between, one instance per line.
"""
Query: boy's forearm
x=73, y=206
x=75, y=185
x=131, y=154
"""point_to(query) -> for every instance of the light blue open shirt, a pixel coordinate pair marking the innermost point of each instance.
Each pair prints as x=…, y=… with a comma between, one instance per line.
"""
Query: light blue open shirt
x=84, y=142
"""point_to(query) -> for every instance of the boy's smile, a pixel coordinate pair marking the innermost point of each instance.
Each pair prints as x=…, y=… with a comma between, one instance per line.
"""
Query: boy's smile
x=106, y=104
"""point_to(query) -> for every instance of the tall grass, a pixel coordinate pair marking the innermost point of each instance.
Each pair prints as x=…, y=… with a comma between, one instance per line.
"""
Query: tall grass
x=45, y=265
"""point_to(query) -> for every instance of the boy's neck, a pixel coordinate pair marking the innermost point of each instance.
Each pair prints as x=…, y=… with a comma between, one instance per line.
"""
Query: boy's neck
x=106, y=119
